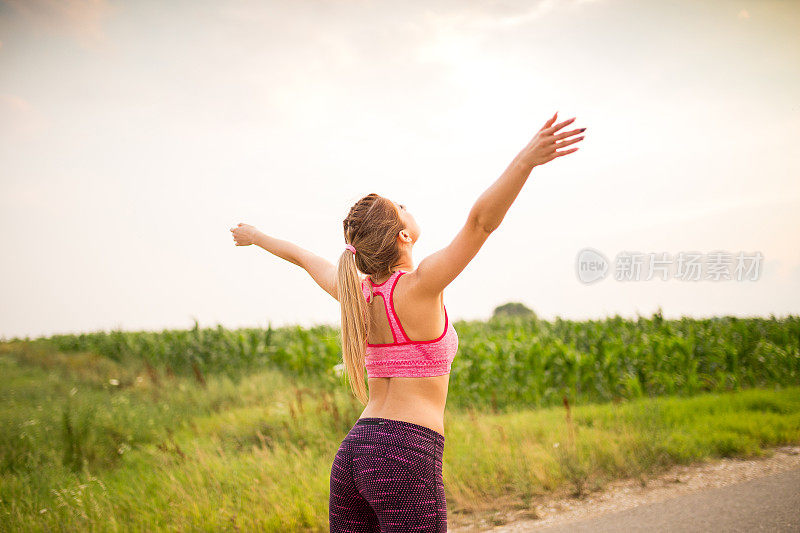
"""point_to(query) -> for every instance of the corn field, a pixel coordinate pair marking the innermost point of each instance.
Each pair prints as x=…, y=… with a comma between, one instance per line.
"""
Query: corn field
x=505, y=362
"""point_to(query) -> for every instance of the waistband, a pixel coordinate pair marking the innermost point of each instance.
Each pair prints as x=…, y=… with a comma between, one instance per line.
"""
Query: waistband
x=389, y=431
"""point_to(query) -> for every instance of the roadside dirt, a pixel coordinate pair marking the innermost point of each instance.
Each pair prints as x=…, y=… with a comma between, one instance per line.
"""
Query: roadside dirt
x=629, y=493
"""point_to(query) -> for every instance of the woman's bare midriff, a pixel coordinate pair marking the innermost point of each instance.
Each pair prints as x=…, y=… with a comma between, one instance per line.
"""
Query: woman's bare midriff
x=416, y=400
x=419, y=400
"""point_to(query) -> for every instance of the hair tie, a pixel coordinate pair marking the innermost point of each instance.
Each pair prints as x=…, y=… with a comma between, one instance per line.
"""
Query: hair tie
x=351, y=248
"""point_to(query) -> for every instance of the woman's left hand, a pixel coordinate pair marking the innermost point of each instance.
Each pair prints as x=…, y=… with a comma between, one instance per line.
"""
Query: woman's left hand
x=244, y=234
x=545, y=145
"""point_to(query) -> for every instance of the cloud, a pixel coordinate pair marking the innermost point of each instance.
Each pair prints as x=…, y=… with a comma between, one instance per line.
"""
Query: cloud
x=18, y=117
x=79, y=19
x=493, y=16
x=14, y=102
x=455, y=35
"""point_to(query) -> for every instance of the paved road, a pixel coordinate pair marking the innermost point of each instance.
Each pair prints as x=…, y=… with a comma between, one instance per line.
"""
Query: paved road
x=770, y=503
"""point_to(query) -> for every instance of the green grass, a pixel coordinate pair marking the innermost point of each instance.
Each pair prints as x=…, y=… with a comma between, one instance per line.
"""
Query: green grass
x=157, y=452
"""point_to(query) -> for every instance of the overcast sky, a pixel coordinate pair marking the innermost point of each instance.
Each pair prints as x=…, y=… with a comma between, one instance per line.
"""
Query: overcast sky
x=134, y=135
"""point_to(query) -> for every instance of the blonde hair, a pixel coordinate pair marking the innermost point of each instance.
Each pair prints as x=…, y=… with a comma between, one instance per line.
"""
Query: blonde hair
x=371, y=226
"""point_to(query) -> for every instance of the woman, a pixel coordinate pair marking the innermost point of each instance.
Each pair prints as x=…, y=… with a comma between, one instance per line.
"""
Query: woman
x=387, y=473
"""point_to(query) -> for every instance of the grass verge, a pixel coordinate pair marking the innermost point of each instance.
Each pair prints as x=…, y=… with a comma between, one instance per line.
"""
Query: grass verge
x=83, y=450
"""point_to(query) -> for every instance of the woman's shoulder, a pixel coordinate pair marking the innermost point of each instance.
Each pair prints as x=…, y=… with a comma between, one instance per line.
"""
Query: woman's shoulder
x=412, y=288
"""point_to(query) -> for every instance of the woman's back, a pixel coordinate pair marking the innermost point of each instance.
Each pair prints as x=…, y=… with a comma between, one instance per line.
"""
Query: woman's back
x=409, y=349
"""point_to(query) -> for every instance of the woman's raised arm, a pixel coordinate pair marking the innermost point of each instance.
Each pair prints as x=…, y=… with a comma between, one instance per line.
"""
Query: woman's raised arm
x=439, y=269
x=320, y=269
x=492, y=206
x=245, y=235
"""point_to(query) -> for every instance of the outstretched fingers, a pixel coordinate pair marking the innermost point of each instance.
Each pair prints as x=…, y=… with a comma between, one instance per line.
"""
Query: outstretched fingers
x=552, y=129
x=559, y=154
x=549, y=144
x=562, y=144
x=569, y=133
x=549, y=122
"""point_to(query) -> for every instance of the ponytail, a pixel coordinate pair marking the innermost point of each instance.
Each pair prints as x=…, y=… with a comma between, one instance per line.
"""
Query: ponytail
x=371, y=226
x=355, y=325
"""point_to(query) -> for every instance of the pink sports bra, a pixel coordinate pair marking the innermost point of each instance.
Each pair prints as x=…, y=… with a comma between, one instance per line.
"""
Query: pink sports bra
x=404, y=357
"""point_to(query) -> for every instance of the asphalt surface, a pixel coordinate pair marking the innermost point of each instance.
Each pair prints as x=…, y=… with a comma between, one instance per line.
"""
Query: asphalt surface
x=770, y=503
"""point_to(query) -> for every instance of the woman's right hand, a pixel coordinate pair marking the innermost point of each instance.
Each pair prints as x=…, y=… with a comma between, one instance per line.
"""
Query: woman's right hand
x=545, y=144
x=244, y=234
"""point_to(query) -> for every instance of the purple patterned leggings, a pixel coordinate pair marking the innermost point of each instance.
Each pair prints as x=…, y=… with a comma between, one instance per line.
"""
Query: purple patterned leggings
x=387, y=476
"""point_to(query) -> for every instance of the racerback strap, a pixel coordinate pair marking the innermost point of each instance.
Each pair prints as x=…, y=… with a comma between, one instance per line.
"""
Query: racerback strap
x=385, y=289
